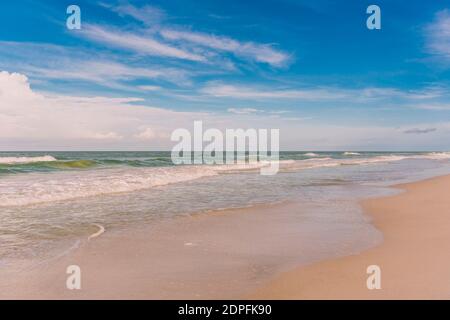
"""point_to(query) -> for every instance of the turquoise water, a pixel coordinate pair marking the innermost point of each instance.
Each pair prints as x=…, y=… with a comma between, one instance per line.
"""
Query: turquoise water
x=22, y=162
x=50, y=198
x=16, y=162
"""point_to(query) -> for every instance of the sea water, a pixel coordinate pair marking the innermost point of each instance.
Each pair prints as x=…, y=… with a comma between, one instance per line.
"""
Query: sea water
x=51, y=200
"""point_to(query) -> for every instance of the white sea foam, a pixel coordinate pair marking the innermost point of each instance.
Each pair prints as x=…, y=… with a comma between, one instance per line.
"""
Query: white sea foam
x=437, y=155
x=330, y=162
x=38, y=188
x=21, y=160
x=100, y=231
x=35, y=188
x=311, y=154
x=352, y=154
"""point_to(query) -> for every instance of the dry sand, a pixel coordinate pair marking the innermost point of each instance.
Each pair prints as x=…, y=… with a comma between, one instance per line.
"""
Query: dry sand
x=414, y=257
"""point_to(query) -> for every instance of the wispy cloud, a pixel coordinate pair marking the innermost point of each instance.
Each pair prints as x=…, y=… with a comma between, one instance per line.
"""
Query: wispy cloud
x=243, y=110
x=248, y=111
x=258, y=52
x=242, y=92
x=143, y=44
x=106, y=72
x=438, y=35
x=51, y=62
x=147, y=14
x=150, y=88
x=331, y=94
x=202, y=46
x=433, y=106
x=32, y=120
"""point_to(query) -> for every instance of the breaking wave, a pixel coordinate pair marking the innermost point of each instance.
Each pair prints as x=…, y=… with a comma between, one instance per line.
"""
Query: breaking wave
x=35, y=188
x=352, y=154
x=24, y=160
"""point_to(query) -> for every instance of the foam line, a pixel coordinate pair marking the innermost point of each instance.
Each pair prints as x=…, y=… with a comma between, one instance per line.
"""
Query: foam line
x=98, y=233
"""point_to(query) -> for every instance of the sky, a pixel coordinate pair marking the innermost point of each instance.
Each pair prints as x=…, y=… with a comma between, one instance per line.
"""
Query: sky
x=137, y=70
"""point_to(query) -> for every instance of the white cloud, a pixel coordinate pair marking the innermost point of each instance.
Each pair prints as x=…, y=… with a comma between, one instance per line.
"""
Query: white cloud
x=438, y=35
x=243, y=110
x=106, y=72
x=151, y=134
x=105, y=136
x=59, y=63
x=147, y=14
x=272, y=113
x=183, y=37
x=242, y=92
x=36, y=121
x=150, y=88
x=331, y=94
x=142, y=44
x=432, y=106
x=33, y=120
x=259, y=52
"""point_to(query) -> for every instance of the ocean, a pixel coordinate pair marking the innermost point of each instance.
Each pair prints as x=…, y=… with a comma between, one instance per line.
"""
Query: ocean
x=50, y=201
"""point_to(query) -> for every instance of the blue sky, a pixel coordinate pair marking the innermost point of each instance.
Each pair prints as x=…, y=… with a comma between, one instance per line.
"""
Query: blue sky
x=311, y=67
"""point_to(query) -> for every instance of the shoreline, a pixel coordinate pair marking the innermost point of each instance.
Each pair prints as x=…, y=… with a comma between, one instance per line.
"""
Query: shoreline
x=414, y=257
x=252, y=252
x=224, y=254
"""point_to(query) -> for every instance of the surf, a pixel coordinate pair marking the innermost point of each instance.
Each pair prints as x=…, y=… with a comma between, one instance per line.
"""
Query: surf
x=24, y=160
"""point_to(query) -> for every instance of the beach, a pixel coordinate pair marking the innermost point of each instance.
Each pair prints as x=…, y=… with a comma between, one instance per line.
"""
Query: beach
x=223, y=254
x=414, y=257
x=254, y=253
x=224, y=150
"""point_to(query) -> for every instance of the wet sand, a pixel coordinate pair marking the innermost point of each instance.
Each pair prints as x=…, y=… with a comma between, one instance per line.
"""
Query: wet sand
x=218, y=255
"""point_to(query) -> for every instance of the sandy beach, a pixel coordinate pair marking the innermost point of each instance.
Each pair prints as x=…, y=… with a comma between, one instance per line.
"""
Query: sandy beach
x=257, y=253
x=223, y=254
x=414, y=257
x=224, y=150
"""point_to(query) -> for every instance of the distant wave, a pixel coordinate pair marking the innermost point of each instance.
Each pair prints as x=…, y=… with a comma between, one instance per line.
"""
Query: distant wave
x=22, y=160
x=332, y=162
x=49, y=163
x=437, y=155
x=311, y=154
x=352, y=154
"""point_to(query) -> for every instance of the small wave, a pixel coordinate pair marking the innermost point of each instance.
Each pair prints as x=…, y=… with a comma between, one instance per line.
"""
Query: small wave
x=22, y=160
x=59, y=186
x=36, y=188
x=437, y=155
x=39, y=166
x=311, y=154
x=352, y=154
x=76, y=164
x=330, y=162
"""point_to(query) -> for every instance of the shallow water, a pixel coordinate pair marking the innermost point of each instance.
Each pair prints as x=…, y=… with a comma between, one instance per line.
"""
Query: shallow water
x=47, y=205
